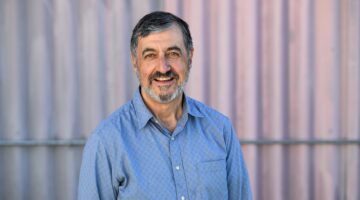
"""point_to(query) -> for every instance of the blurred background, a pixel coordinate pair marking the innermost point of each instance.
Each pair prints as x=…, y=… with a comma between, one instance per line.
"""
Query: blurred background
x=285, y=71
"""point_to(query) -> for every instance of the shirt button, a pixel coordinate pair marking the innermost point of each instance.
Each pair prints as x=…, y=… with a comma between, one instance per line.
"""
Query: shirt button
x=172, y=138
x=182, y=198
x=177, y=167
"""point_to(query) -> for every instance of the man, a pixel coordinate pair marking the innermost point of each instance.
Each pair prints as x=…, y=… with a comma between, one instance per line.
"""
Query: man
x=162, y=144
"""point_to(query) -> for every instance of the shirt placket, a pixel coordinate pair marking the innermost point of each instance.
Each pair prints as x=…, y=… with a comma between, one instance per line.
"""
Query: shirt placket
x=177, y=167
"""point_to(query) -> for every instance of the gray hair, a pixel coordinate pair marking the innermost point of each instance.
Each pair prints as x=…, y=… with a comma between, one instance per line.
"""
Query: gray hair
x=158, y=21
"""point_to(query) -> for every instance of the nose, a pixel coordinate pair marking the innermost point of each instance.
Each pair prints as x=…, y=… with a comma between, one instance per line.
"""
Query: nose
x=163, y=66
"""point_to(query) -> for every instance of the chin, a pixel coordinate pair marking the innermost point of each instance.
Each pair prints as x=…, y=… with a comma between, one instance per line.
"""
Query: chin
x=164, y=95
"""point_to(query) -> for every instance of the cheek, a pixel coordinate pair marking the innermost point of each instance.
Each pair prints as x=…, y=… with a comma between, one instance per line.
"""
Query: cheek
x=145, y=69
x=143, y=76
x=184, y=71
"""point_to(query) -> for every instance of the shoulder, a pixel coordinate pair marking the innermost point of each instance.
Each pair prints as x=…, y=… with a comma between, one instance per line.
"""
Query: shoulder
x=213, y=122
x=207, y=112
x=115, y=124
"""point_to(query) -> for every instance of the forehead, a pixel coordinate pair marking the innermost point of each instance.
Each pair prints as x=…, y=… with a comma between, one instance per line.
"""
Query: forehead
x=168, y=37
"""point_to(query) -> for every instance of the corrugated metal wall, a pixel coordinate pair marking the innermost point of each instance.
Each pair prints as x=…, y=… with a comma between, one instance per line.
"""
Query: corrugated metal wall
x=286, y=72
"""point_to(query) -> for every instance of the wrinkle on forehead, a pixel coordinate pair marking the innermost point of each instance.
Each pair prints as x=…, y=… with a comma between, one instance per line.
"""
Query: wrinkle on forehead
x=163, y=39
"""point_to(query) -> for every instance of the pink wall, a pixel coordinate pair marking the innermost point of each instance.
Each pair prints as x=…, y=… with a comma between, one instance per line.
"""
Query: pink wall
x=281, y=70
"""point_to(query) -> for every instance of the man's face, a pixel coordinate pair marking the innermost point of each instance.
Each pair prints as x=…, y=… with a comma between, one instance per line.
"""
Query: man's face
x=162, y=64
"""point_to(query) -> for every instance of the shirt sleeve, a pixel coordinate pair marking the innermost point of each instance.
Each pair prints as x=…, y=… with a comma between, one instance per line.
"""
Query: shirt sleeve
x=237, y=175
x=95, y=173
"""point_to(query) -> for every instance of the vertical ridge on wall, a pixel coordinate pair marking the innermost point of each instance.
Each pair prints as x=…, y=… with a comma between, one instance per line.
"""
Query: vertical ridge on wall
x=326, y=157
x=194, y=14
x=311, y=64
x=247, y=84
x=224, y=60
x=273, y=106
x=12, y=120
x=39, y=113
x=213, y=53
x=350, y=97
x=66, y=72
x=90, y=95
x=299, y=98
x=118, y=28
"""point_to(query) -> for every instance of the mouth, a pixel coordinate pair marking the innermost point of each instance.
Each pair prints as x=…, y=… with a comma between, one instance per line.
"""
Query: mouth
x=163, y=81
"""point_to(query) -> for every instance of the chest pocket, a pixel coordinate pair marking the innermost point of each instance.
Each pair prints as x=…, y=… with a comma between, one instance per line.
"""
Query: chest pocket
x=212, y=180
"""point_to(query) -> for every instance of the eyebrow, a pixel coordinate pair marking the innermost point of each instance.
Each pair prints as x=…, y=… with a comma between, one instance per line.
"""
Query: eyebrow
x=168, y=49
x=174, y=48
x=147, y=50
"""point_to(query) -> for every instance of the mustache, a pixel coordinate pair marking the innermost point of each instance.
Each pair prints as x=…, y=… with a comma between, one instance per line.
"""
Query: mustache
x=168, y=74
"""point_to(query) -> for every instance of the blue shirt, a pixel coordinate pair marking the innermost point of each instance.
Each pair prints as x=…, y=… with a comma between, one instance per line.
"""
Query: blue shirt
x=131, y=156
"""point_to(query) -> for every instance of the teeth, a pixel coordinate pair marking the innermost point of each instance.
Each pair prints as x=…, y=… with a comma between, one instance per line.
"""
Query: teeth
x=163, y=78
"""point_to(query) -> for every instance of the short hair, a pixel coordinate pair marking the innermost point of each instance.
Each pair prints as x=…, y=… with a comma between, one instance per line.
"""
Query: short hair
x=158, y=21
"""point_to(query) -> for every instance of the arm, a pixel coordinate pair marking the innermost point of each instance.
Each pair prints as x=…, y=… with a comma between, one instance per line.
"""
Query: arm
x=95, y=173
x=237, y=175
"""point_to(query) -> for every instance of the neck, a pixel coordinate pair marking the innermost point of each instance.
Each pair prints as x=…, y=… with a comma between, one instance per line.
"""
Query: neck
x=167, y=113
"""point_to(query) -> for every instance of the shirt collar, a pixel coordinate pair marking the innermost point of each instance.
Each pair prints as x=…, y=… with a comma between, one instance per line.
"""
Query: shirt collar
x=191, y=108
x=143, y=114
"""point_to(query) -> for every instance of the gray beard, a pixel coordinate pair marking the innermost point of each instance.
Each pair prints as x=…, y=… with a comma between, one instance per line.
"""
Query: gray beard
x=165, y=98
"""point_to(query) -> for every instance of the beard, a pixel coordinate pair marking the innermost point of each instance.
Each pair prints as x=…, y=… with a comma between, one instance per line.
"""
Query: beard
x=164, y=98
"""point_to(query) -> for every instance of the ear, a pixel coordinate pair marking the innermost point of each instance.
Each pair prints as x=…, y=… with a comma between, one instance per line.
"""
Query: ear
x=133, y=62
x=191, y=53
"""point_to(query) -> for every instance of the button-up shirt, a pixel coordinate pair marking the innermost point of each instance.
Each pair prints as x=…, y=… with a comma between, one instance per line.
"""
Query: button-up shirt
x=130, y=155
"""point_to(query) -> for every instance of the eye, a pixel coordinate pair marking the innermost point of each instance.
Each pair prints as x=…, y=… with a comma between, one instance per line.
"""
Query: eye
x=173, y=54
x=150, y=56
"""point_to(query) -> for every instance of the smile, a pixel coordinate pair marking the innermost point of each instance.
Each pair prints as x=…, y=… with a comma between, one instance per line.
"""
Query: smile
x=163, y=78
x=164, y=81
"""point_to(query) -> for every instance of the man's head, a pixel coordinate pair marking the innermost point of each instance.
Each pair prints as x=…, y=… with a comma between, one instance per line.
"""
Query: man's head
x=161, y=53
x=159, y=21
